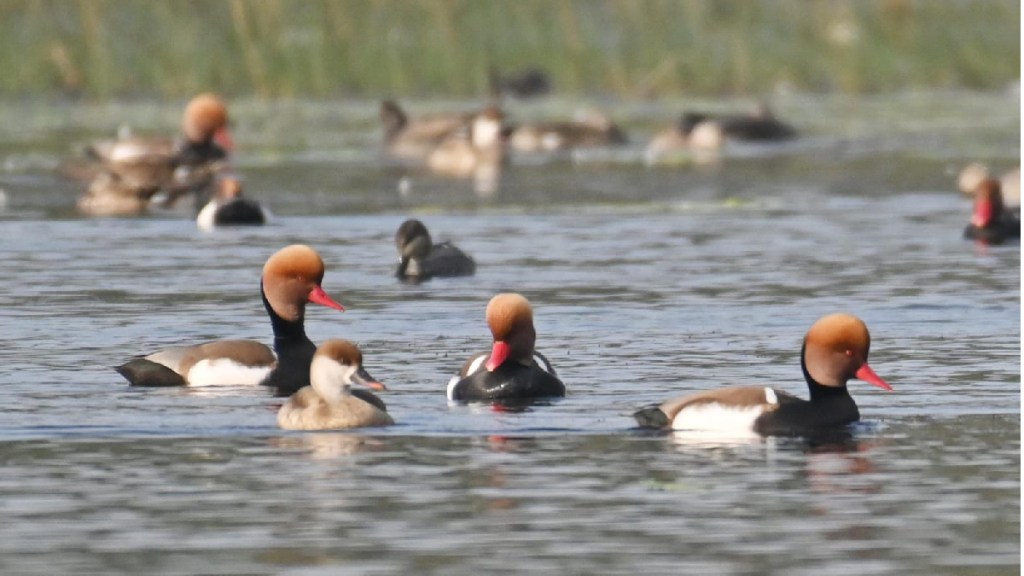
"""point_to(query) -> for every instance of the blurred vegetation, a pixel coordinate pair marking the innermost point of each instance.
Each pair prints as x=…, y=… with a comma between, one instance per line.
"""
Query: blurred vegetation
x=102, y=49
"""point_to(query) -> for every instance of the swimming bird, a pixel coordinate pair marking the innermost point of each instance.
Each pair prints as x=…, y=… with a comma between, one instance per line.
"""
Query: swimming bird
x=478, y=153
x=229, y=208
x=1009, y=184
x=291, y=279
x=692, y=135
x=512, y=370
x=761, y=125
x=834, y=351
x=525, y=83
x=420, y=259
x=130, y=170
x=329, y=402
x=415, y=139
x=991, y=222
x=592, y=129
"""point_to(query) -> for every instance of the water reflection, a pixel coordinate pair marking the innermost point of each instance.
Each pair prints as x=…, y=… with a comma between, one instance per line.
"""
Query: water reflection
x=329, y=445
x=843, y=467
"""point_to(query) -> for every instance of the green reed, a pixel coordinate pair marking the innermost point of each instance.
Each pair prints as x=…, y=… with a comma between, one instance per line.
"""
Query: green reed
x=628, y=48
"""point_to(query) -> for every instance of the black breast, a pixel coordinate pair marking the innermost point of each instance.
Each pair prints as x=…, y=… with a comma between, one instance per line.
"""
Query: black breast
x=829, y=409
x=756, y=129
x=239, y=212
x=510, y=381
x=1006, y=228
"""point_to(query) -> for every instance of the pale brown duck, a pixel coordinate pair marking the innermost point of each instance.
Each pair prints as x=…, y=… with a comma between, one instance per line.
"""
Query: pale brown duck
x=329, y=402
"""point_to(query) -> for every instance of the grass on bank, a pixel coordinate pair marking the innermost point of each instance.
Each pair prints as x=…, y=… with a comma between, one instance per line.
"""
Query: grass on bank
x=103, y=49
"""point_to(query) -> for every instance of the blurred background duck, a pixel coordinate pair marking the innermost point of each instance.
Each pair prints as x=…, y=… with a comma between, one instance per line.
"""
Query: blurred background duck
x=991, y=222
x=477, y=153
x=592, y=128
x=524, y=83
x=691, y=138
x=415, y=139
x=974, y=173
x=704, y=134
x=229, y=208
x=760, y=125
x=128, y=172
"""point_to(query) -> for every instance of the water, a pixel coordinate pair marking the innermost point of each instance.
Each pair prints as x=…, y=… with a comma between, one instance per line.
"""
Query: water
x=646, y=282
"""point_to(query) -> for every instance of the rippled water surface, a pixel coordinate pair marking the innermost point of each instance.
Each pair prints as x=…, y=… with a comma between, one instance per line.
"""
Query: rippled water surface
x=647, y=282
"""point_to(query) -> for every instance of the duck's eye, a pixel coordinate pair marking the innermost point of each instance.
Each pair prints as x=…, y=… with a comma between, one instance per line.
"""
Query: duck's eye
x=849, y=353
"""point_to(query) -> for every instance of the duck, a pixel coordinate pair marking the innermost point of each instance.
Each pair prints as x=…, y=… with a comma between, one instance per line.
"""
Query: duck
x=329, y=402
x=462, y=152
x=414, y=139
x=478, y=153
x=593, y=129
x=991, y=223
x=291, y=278
x=421, y=259
x=525, y=83
x=129, y=171
x=761, y=125
x=701, y=131
x=835, y=350
x=512, y=370
x=229, y=208
x=693, y=135
x=1009, y=184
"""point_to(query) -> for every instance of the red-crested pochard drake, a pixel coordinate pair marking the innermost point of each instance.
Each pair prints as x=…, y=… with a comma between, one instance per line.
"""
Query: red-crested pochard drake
x=229, y=208
x=592, y=129
x=291, y=279
x=415, y=139
x=419, y=258
x=329, y=402
x=991, y=223
x=1009, y=184
x=834, y=351
x=512, y=370
x=131, y=170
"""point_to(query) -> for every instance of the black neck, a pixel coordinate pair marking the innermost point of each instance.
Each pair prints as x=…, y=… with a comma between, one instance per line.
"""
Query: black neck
x=284, y=330
x=195, y=153
x=294, y=352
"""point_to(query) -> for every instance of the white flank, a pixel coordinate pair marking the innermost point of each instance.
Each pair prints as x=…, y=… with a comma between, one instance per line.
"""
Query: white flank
x=769, y=396
x=551, y=141
x=413, y=268
x=451, y=387
x=715, y=417
x=474, y=366
x=128, y=152
x=543, y=363
x=225, y=372
x=205, y=218
x=486, y=132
